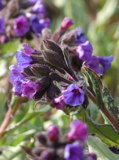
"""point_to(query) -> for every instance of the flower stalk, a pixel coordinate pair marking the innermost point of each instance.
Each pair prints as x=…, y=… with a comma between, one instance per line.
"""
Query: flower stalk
x=9, y=116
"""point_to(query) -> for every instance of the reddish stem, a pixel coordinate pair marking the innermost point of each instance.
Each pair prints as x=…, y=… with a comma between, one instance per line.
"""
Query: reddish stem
x=8, y=117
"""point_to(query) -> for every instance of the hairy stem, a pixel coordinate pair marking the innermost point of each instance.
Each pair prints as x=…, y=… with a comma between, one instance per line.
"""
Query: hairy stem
x=9, y=116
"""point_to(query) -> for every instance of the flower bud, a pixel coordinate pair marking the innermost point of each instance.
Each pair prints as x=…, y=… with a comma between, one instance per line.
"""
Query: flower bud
x=66, y=23
x=78, y=131
x=47, y=155
x=41, y=138
x=92, y=156
x=53, y=133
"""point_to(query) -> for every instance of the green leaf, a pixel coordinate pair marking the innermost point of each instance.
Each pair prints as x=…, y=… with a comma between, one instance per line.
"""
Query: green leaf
x=28, y=117
x=105, y=132
x=10, y=47
x=109, y=103
x=101, y=149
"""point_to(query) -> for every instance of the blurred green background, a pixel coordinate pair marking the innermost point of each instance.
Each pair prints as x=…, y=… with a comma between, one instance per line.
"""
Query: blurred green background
x=100, y=21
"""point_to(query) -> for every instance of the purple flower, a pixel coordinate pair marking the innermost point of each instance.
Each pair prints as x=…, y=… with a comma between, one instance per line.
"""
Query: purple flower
x=38, y=24
x=74, y=95
x=79, y=36
x=27, y=49
x=106, y=62
x=85, y=51
x=16, y=78
x=94, y=64
x=39, y=7
x=29, y=89
x=22, y=86
x=99, y=64
x=66, y=23
x=59, y=102
x=2, y=25
x=73, y=152
x=78, y=131
x=21, y=26
x=53, y=133
x=23, y=59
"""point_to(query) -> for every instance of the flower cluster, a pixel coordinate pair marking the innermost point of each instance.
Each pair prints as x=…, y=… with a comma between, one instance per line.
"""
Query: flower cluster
x=22, y=86
x=71, y=146
x=55, y=68
x=28, y=17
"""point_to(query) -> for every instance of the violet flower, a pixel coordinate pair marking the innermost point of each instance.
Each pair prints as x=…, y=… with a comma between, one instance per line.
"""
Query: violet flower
x=84, y=51
x=21, y=26
x=73, y=152
x=73, y=95
x=38, y=24
x=80, y=36
x=2, y=25
x=39, y=7
x=22, y=86
x=59, y=102
x=99, y=64
x=78, y=131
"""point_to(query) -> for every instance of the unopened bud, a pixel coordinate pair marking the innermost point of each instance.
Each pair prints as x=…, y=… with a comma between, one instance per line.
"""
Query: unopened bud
x=66, y=23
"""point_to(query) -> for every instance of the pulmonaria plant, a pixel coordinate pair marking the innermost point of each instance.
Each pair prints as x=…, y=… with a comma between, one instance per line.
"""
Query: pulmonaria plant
x=53, y=73
x=26, y=19
x=51, y=145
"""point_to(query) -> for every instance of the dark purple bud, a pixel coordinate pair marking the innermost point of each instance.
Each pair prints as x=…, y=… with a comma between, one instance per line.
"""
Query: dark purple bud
x=53, y=91
x=84, y=51
x=54, y=58
x=21, y=26
x=2, y=25
x=78, y=131
x=76, y=62
x=73, y=152
x=42, y=138
x=66, y=23
x=47, y=155
x=53, y=133
x=73, y=95
x=40, y=70
x=53, y=46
